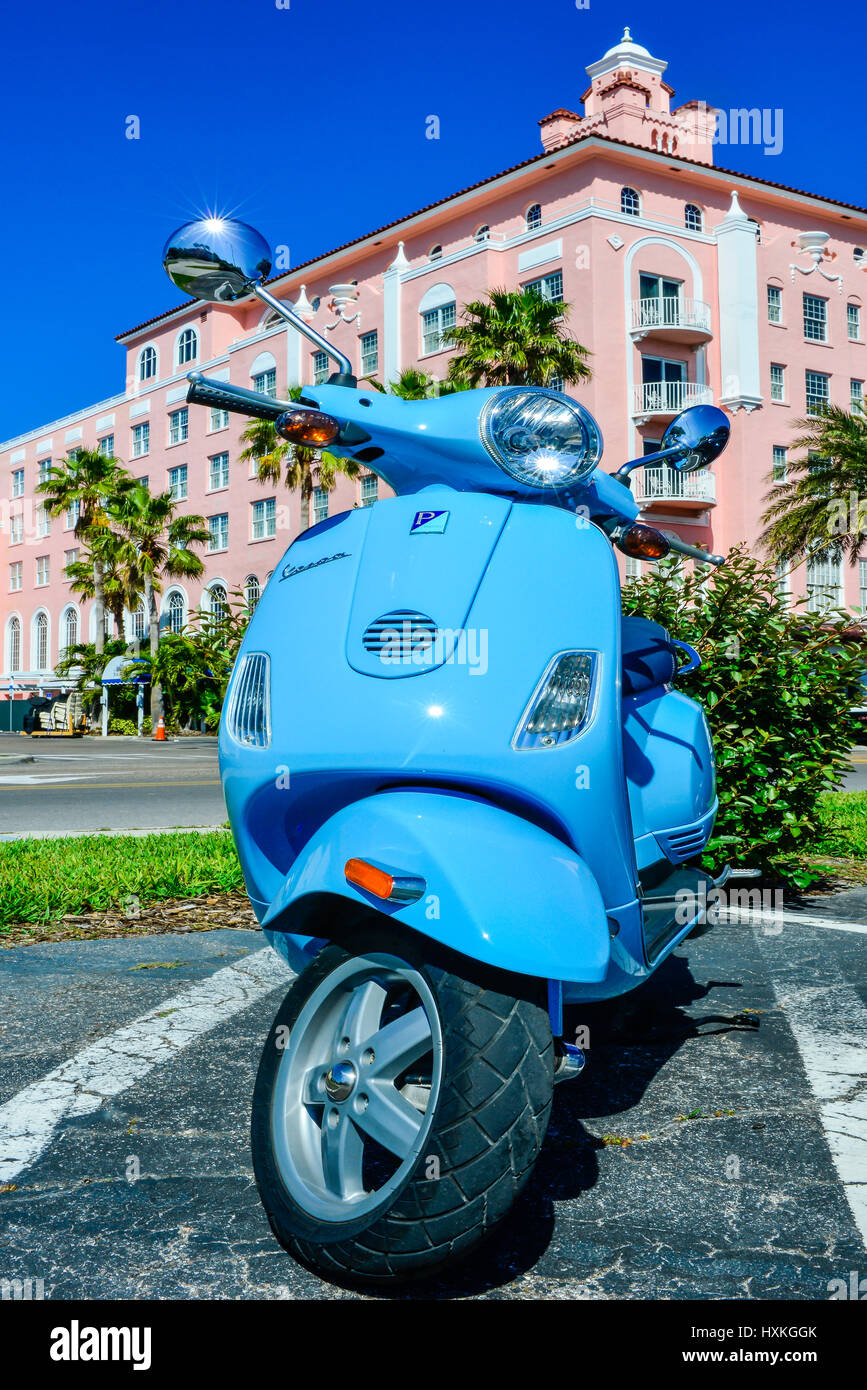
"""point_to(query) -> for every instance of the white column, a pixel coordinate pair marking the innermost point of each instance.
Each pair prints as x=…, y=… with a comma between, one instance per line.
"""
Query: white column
x=737, y=272
x=391, y=309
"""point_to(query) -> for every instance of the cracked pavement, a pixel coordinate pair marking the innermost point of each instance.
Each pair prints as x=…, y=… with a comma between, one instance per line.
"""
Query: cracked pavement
x=691, y=1159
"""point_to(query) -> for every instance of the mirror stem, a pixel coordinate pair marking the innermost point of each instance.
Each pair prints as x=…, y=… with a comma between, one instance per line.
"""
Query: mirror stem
x=659, y=457
x=344, y=366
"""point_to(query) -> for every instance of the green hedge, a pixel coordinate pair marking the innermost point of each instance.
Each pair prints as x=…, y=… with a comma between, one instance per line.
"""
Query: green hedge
x=778, y=685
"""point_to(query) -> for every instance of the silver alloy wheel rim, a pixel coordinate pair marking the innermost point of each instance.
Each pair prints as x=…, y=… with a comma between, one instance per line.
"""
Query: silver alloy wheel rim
x=342, y=1090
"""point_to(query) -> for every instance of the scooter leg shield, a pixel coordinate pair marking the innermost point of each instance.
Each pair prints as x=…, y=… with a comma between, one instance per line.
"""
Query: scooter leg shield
x=489, y=884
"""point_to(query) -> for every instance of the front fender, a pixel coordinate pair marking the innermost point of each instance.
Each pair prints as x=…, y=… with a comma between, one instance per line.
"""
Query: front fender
x=498, y=889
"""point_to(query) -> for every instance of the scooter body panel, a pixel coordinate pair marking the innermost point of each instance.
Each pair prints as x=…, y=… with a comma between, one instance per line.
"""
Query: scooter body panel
x=496, y=889
x=522, y=583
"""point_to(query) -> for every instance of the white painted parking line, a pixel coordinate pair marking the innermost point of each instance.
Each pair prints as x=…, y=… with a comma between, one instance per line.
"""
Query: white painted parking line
x=26, y=779
x=829, y=1024
x=760, y=917
x=114, y=1063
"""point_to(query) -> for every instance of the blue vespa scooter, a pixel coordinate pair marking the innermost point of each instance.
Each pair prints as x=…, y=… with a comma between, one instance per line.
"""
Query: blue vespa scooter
x=463, y=789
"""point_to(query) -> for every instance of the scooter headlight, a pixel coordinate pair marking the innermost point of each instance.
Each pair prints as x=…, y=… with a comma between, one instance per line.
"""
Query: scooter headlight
x=540, y=438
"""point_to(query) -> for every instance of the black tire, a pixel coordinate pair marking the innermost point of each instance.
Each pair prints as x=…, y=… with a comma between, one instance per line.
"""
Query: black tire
x=488, y=1125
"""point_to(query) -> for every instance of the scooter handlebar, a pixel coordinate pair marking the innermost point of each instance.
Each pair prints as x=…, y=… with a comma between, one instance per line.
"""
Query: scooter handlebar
x=222, y=395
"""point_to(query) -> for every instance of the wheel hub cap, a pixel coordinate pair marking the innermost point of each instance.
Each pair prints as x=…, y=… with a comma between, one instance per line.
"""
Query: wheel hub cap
x=340, y=1081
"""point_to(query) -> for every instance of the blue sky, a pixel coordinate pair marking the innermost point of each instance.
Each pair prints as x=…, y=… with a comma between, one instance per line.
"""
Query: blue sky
x=310, y=123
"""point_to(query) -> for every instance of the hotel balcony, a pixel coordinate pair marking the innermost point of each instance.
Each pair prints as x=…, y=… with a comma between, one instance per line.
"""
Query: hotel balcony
x=663, y=484
x=676, y=319
x=660, y=400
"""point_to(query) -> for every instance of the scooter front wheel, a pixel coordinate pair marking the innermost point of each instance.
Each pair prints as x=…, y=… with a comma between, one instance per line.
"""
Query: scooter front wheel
x=398, y=1111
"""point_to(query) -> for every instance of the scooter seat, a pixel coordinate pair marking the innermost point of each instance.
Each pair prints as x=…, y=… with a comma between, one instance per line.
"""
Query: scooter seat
x=649, y=655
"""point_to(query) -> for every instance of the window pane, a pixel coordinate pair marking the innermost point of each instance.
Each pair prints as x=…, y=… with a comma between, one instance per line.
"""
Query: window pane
x=818, y=391
x=266, y=382
x=853, y=321
x=815, y=318
x=369, y=353
x=219, y=529
x=218, y=472
x=775, y=304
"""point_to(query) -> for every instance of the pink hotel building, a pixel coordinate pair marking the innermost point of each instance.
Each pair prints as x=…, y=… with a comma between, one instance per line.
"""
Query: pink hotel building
x=688, y=282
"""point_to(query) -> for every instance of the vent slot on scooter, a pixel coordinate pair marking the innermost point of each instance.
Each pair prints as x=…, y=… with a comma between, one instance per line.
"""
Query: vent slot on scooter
x=400, y=636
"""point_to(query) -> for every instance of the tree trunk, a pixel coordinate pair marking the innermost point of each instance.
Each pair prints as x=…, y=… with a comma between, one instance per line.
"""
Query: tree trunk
x=154, y=633
x=99, y=606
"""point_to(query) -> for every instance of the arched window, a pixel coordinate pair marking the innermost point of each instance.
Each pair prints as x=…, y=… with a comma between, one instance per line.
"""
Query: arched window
x=147, y=364
x=252, y=591
x=14, y=645
x=482, y=233
x=533, y=217
x=140, y=619
x=692, y=217
x=630, y=203
x=218, y=601
x=757, y=228
x=188, y=346
x=438, y=312
x=263, y=374
x=176, y=612
x=858, y=254
x=41, y=643
x=435, y=253
x=70, y=629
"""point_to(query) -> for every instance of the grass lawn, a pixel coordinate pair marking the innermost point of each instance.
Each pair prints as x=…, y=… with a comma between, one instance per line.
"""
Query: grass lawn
x=43, y=880
x=843, y=825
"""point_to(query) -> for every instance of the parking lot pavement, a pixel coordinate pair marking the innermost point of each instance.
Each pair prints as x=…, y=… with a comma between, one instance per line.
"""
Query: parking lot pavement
x=691, y=1159
x=60, y=786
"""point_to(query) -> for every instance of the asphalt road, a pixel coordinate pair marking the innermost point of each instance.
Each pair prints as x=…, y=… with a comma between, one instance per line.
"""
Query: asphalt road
x=856, y=781
x=734, y=1072
x=53, y=786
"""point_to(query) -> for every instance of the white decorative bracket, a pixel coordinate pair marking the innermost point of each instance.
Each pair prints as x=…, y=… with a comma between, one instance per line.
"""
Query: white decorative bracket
x=341, y=297
x=814, y=244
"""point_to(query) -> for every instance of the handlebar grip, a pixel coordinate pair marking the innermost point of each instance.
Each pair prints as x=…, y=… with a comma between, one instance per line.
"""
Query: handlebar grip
x=693, y=551
x=222, y=395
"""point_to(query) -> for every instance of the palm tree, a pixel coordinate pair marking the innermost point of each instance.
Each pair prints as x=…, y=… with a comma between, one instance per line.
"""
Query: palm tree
x=515, y=338
x=415, y=385
x=119, y=582
x=88, y=480
x=820, y=506
x=157, y=545
x=298, y=468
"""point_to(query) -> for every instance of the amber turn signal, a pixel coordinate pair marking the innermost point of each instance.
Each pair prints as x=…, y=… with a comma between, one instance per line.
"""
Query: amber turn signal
x=392, y=888
x=368, y=877
x=309, y=427
x=643, y=542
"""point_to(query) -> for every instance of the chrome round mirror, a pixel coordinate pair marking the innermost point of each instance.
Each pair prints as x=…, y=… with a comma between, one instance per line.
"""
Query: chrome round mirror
x=217, y=259
x=700, y=433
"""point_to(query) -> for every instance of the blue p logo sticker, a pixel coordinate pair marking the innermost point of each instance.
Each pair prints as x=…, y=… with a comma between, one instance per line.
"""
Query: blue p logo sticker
x=431, y=523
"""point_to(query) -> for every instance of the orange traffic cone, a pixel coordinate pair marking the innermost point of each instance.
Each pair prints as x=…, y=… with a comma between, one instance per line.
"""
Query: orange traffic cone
x=160, y=735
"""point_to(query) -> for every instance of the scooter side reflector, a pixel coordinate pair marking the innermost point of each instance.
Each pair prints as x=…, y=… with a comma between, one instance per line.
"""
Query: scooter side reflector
x=392, y=888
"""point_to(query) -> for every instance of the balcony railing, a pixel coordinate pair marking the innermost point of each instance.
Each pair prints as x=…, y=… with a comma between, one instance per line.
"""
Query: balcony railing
x=649, y=315
x=669, y=397
x=664, y=484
